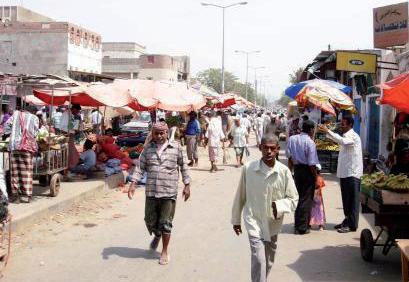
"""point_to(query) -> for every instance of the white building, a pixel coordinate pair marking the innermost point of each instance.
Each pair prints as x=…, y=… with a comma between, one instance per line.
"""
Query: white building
x=40, y=45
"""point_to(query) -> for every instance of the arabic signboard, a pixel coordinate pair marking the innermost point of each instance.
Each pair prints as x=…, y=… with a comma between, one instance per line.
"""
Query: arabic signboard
x=390, y=25
x=356, y=62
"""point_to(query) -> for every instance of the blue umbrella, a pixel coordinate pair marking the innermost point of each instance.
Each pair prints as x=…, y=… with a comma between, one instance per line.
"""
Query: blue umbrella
x=294, y=89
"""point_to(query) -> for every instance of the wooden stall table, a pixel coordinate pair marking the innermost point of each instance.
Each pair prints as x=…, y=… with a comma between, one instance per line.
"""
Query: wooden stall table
x=404, y=252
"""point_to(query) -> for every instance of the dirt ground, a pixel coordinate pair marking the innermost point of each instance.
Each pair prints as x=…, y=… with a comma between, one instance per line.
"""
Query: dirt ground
x=104, y=239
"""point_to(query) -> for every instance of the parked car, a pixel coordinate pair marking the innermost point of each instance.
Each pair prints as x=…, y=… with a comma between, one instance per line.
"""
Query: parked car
x=135, y=131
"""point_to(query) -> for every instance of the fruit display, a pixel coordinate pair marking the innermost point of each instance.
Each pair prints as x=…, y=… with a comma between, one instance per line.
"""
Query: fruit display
x=47, y=141
x=326, y=145
x=51, y=138
x=4, y=146
x=379, y=180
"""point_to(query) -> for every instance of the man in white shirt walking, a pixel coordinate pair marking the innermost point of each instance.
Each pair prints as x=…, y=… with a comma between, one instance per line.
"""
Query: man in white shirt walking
x=259, y=128
x=96, y=120
x=266, y=192
x=350, y=169
x=240, y=135
x=214, y=135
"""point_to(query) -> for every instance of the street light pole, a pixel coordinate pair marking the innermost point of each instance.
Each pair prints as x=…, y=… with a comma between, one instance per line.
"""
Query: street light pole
x=247, y=53
x=222, y=88
x=223, y=8
x=255, y=83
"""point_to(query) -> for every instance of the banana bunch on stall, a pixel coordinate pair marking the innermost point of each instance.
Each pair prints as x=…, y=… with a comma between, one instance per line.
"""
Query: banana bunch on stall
x=326, y=145
x=379, y=180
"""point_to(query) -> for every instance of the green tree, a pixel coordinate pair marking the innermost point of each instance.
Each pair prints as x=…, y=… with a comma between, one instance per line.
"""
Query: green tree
x=295, y=76
x=212, y=78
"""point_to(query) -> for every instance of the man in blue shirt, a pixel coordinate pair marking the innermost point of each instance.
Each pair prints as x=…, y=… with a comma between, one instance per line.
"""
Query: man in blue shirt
x=303, y=159
x=192, y=137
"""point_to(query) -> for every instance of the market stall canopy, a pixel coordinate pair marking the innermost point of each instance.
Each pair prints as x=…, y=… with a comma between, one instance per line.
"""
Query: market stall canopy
x=92, y=95
x=396, y=92
x=137, y=94
x=205, y=91
x=164, y=95
x=323, y=94
x=243, y=102
x=222, y=102
x=296, y=88
x=33, y=100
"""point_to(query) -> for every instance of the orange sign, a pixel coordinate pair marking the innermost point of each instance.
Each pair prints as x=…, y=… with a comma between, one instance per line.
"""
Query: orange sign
x=390, y=24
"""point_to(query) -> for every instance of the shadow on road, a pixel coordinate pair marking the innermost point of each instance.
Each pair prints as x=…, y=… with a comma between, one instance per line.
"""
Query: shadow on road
x=206, y=170
x=289, y=228
x=344, y=263
x=126, y=252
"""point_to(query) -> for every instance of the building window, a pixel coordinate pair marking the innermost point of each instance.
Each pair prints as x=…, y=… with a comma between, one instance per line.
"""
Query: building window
x=86, y=40
x=92, y=42
x=97, y=43
x=151, y=59
x=78, y=37
x=149, y=78
x=72, y=35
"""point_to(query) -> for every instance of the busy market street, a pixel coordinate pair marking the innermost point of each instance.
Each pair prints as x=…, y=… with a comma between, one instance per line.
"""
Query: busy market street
x=105, y=240
x=204, y=141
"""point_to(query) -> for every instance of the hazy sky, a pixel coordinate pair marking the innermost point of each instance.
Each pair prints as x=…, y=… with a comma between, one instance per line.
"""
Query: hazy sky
x=289, y=33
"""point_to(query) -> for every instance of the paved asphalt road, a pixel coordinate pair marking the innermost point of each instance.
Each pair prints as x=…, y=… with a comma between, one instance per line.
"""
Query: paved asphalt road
x=105, y=239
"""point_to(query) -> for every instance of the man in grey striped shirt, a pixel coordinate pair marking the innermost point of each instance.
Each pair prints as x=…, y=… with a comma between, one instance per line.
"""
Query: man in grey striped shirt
x=161, y=160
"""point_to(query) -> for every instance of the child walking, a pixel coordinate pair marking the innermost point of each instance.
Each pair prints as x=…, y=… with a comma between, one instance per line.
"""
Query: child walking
x=318, y=210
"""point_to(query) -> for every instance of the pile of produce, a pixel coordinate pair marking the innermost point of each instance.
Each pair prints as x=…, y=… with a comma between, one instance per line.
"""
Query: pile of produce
x=326, y=145
x=379, y=180
x=45, y=140
x=4, y=146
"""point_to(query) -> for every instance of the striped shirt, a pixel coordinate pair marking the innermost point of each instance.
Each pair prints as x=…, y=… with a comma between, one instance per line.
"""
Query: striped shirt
x=162, y=170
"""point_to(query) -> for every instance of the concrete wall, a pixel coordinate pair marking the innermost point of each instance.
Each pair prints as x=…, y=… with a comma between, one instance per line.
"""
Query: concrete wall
x=125, y=75
x=112, y=65
x=122, y=50
x=22, y=14
x=34, y=52
x=158, y=74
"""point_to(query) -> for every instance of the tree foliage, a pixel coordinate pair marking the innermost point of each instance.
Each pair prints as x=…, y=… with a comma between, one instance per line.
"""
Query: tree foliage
x=295, y=76
x=212, y=78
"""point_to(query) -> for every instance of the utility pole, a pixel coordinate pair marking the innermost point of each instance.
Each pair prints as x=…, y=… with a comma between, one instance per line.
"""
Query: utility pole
x=223, y=8
x=247, y=53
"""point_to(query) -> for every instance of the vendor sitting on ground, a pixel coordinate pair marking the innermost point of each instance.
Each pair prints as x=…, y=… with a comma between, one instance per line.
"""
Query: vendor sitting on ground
x=87, y=160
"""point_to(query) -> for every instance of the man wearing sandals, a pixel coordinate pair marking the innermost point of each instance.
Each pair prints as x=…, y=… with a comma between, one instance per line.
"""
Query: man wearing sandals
x=266, y=192
x=161, y=160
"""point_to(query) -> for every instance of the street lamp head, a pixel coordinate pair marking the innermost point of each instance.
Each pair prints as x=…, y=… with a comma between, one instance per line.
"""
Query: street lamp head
x=243, y=3
x=204, y=4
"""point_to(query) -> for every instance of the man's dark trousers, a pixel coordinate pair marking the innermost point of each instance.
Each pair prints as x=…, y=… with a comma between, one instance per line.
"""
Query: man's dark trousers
x=350, y=201
x=305, y=183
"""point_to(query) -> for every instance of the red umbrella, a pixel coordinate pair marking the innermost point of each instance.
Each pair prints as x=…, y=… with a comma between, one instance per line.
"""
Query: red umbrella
x=396, y=92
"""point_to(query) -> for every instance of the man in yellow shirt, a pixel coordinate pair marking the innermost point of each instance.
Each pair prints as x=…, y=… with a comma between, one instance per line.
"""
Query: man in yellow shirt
x=265, y=193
